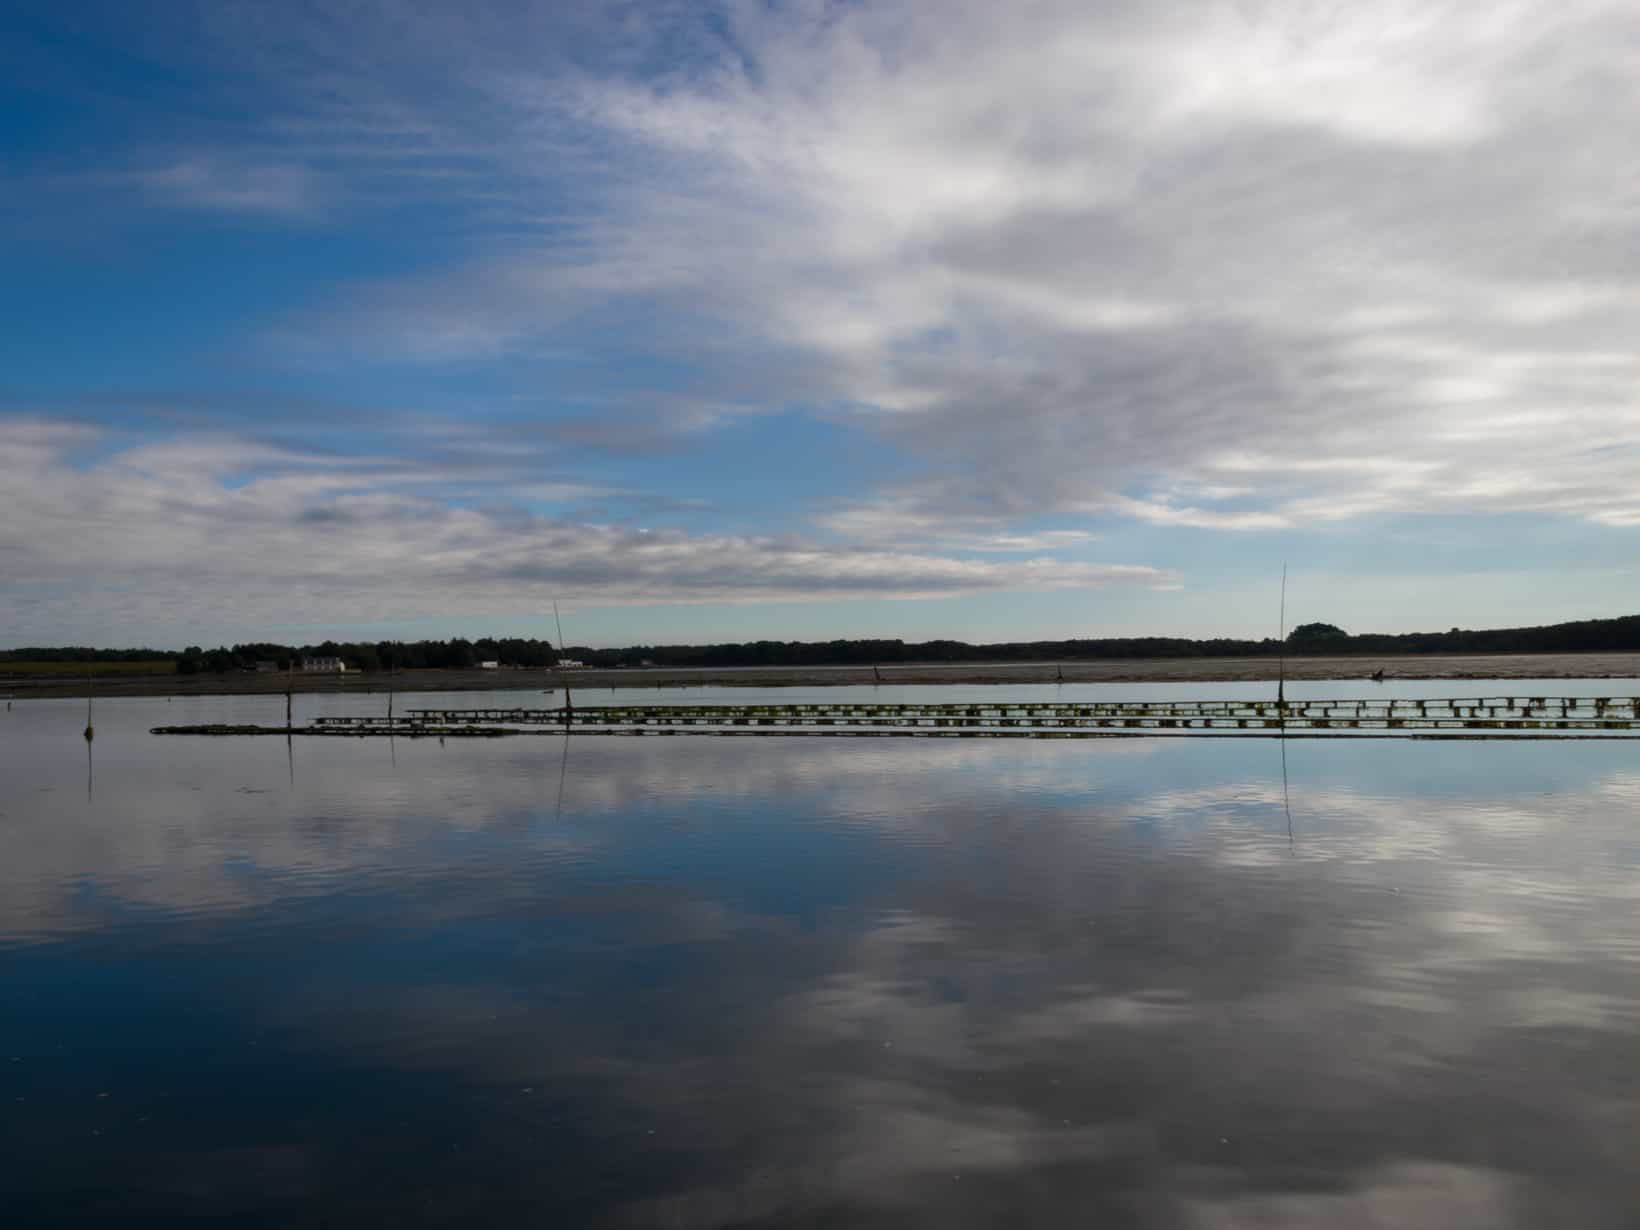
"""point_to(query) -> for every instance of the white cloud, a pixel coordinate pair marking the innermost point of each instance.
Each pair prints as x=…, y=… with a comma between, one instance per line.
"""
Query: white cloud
x=1076, y=254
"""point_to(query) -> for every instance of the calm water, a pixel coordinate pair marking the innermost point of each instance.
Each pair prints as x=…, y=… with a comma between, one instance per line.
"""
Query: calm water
x=736, y=983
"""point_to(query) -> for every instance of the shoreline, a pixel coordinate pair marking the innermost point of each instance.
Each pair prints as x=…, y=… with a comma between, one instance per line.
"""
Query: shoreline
x=1130, y=670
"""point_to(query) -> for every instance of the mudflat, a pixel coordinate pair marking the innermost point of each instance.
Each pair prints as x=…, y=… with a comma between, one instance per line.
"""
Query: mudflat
x=1131, y=670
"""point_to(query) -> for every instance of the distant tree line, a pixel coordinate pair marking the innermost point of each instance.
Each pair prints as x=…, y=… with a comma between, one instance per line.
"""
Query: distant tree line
x=82, y=653
x=1621, y=635
x=455, y=654
x=884, y=652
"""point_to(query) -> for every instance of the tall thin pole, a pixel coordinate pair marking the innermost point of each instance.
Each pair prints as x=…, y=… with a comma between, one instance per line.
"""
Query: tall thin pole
x=1281, y=677
x=568, y=703
x=89, y=730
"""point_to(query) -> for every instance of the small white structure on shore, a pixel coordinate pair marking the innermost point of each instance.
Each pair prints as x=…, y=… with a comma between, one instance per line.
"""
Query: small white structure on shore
x=323, y=666
x=489, y=666
x=569, y=664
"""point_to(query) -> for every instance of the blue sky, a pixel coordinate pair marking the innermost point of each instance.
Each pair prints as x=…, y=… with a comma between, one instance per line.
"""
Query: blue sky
x=724, y=321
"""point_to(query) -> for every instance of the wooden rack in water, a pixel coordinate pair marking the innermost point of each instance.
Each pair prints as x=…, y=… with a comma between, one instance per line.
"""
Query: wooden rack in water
x=1475, y=717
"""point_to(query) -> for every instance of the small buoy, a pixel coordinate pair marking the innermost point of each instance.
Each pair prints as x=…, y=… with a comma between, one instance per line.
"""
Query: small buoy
x=89, y=733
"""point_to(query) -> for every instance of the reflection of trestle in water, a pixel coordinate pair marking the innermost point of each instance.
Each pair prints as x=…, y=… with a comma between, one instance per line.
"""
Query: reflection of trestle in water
x=1473, y=717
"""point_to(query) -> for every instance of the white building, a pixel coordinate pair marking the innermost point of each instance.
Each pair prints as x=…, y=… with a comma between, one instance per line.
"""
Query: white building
x=323, y=666
x=570, y=664
x=489, y=666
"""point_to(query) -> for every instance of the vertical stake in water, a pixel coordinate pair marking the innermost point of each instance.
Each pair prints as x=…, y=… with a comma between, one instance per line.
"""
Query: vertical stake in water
x=89, y=730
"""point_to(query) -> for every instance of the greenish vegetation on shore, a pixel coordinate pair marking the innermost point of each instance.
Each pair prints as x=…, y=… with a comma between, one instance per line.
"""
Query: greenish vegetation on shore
x=78, y=669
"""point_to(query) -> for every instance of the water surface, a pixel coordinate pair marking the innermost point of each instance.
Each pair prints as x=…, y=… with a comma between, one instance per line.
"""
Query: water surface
x=715, y=982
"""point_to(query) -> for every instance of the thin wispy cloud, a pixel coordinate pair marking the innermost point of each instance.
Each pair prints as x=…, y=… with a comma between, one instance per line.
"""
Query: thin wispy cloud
x=204, y=182
x=217, y=532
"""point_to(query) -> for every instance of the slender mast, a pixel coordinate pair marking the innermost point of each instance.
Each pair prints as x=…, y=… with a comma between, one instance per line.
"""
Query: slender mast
x=568, y=703
x=1281, y=676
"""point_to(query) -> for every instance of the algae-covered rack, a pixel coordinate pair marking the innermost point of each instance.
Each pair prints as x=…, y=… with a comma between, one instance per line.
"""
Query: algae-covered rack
x=1445, y=717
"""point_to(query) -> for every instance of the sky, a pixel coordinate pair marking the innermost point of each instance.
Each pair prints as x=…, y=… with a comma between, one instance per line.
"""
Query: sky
x=741, y=320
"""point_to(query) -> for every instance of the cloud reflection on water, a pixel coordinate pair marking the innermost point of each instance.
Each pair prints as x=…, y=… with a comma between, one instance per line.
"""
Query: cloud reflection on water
x=784, y=982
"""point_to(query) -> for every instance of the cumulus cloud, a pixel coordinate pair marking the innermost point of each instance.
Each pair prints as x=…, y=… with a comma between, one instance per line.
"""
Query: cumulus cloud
x=219, y=531
x=1241, y=266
